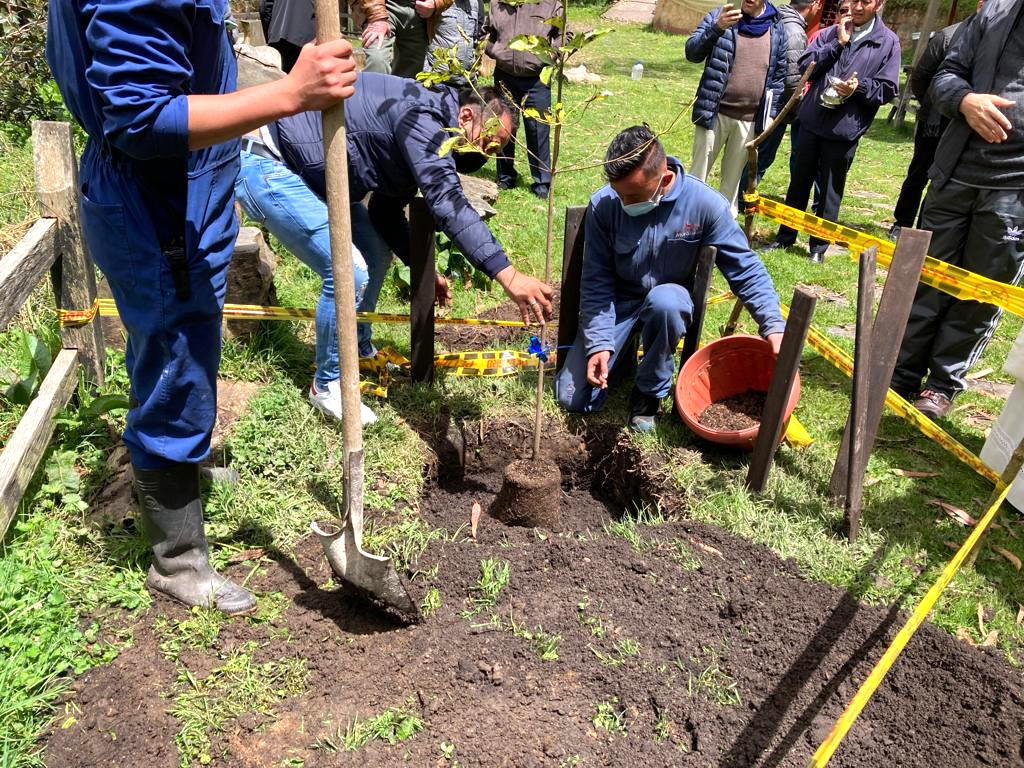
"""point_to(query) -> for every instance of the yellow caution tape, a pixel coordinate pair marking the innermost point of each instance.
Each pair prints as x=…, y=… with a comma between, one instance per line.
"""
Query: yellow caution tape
x=867, y=689
x=74, y=318
x=796, y=434
x=835, y=355
x=945, y=277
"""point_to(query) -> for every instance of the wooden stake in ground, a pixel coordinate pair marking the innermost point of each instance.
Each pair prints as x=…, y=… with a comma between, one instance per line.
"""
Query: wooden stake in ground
x=773, y=418
x=859, y=396
x=886, y=339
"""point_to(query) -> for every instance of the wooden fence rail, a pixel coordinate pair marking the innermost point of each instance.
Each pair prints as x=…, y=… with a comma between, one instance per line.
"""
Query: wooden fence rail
x=53, y=245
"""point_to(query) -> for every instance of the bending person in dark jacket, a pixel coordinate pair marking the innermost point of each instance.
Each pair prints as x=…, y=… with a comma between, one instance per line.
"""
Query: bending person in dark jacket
x=930, y=125
x=518, y=73
x=644, y=230
x=741, y=88
x=395, y=128
x=975, y=205
x=857, y=66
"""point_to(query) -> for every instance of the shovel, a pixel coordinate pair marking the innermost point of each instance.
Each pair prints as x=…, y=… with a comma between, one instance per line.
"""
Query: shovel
x=373, y=576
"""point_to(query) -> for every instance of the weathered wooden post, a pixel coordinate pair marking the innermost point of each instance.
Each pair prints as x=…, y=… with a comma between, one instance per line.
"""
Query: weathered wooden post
x=74, y=277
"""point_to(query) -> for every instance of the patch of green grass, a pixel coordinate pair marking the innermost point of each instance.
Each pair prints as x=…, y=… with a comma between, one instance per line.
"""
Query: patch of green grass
x=200, y=631
x=709, y=679
x=662, y=727
x=542, y=643
x=403, y=542
x=622, y=650
x=610, y=717
x=594, y=623
x=205, y=707
x=683, y=554
x=494, y=575
x=431, y=603
x=393, y=725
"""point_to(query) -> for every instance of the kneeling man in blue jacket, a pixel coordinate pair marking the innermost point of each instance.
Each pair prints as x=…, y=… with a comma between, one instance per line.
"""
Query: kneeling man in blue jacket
x=643, y=232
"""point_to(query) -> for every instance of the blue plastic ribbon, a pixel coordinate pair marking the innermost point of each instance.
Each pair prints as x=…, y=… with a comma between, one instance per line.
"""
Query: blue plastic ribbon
x=536, y=350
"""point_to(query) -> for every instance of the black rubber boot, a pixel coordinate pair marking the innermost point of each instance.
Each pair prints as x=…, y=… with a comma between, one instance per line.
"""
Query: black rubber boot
x=172, y=517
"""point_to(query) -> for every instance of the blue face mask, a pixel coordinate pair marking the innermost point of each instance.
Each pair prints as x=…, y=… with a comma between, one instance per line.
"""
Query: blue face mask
x=639, y=209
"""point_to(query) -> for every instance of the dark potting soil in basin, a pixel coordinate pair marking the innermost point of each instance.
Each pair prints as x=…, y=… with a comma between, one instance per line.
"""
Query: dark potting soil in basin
x=733, y=413
x=699, y=648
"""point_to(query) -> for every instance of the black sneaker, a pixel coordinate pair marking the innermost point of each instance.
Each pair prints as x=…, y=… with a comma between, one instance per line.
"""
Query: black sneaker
x=777, y=244
x=540, y=191
x=507, y=183
x=642, y=410
x=817, y=255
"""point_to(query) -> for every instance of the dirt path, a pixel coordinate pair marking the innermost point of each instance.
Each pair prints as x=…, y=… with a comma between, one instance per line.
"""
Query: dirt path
x=704, y=648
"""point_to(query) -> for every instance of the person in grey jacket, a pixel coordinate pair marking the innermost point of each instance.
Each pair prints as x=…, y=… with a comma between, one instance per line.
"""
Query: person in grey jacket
x=461, y=28
x=518, y=74
x=794, y=21
x=930, y=125
x=975, y=205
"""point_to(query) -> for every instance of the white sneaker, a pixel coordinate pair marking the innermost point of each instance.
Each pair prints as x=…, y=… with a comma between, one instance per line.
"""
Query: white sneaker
x=329, y=402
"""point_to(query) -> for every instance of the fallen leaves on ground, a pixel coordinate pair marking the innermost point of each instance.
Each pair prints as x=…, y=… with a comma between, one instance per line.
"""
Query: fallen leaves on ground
x=979, y=374
x=245, y=555
x=913, y=473
x=1011, y=558
x=705, y=547
x=474, y=518
x=957, y=514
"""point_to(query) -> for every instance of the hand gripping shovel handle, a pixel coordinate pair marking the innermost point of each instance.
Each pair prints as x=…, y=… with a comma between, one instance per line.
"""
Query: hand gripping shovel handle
x=370, y=574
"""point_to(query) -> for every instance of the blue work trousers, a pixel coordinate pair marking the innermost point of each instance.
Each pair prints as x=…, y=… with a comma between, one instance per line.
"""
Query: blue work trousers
x=663, y=317
x=280, y=200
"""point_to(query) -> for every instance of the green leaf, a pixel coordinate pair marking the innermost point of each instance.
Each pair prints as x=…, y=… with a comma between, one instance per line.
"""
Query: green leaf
x=105, y=404
x=545, y=75
x=39, y=353
x=448, y=145
x=532, y=112
x=556, y=22
x=531, y=43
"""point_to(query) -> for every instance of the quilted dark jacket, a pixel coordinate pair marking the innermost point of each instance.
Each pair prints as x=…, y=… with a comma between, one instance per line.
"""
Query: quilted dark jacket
x=709, y=44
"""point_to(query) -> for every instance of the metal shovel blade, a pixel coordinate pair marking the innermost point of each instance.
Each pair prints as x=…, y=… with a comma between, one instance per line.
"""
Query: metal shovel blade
x=372, y=575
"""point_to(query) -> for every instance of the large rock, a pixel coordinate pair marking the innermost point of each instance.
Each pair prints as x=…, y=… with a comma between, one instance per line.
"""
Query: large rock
x=250, y=278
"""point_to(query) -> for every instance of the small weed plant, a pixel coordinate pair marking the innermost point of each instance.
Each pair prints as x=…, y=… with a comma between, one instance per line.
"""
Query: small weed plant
x=494, y=576
x=610, y=717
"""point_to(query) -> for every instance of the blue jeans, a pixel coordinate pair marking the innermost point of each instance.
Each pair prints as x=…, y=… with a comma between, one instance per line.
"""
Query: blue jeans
x=663, y=317
x=279, y=199
x=378, y=261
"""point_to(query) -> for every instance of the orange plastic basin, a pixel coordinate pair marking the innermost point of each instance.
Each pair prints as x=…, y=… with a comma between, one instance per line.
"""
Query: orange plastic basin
x=726, y=367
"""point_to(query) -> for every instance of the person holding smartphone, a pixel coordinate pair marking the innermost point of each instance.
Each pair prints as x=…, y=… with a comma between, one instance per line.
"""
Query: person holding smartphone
x=745, y=66
x=856, y=71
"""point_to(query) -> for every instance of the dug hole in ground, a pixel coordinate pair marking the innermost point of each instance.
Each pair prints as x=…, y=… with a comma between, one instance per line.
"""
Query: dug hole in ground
x=605, y=642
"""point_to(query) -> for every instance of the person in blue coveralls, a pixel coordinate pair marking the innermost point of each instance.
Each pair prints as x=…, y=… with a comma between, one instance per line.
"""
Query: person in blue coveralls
x=643, y=232
x=153, y=85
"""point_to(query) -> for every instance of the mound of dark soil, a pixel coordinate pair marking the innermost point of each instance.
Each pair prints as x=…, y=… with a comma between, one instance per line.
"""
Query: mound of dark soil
x=734, y=413
x=697, y=648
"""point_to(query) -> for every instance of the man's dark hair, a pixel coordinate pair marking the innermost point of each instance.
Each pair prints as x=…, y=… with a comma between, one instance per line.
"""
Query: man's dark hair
x=636, y=147
x=489, y=102
x=799, y=5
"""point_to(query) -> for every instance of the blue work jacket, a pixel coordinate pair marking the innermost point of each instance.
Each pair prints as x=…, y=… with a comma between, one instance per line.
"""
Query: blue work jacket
x=718, y=50
x=125, y=69
x=395, y=127
x=626, y=256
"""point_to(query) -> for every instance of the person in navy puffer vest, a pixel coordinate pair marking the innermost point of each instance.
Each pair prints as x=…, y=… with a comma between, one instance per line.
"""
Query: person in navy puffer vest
x=741, y=89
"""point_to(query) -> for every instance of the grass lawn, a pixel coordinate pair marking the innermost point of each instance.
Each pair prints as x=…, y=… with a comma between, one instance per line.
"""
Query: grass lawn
x=70, y=593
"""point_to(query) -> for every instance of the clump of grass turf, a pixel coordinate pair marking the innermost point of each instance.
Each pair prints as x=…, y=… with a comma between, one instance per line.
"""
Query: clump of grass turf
x=610, y=717
x=626, y=527
x=204, y=707
x=710, y=680
x=597, y=628
x=494, y=575
x=542, y=643
x=621, y=652
x=199, y=631
x=393, y=725
x=431, y=603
